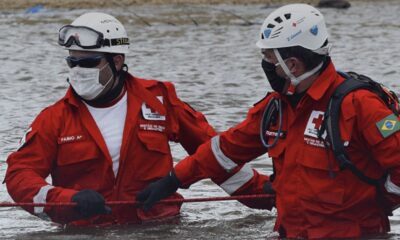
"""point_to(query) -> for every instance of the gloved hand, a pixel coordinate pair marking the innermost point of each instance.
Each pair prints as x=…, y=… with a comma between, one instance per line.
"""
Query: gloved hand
x=90, y=203
x=267, y=188
x=158, y=190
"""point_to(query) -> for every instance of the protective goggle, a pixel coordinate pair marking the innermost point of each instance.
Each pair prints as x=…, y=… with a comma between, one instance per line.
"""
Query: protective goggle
x=85, y=62
x=86, y=38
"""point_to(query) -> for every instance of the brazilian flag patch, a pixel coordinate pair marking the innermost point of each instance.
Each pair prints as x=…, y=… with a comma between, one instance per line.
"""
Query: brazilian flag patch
x=388, y=125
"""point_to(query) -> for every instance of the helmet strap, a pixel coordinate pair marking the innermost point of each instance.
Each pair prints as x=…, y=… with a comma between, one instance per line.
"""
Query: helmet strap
x=296, y=80
x=283, y=65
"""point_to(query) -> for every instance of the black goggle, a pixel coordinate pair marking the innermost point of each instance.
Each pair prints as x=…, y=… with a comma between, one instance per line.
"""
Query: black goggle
x=86, y=38
x=85, y=62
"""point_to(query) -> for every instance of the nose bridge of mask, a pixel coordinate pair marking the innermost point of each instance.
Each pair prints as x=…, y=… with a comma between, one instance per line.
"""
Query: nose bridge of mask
x=84, y=74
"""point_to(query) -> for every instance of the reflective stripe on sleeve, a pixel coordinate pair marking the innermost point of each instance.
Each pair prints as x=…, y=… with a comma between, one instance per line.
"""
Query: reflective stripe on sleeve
x=240, y=178
x=223, y=160
x=40, y=197
x=391, y=187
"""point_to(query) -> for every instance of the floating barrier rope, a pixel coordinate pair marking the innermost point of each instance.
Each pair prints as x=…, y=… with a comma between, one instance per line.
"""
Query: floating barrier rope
x=113, y=203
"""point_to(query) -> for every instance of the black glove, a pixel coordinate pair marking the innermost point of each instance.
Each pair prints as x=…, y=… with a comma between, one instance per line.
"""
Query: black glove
x=158, y=190
x=268, y=188
x=90, y=203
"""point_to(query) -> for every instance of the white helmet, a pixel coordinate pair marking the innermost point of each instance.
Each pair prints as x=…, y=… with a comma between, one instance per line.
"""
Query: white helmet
x=294, y=25
x=97, y=32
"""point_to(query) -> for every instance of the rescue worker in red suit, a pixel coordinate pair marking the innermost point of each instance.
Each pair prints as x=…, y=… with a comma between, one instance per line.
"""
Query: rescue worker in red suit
x=107, y=138
x=314, y=198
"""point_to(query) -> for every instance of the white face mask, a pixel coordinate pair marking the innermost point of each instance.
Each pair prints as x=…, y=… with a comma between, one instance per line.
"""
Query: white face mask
x=86, y=82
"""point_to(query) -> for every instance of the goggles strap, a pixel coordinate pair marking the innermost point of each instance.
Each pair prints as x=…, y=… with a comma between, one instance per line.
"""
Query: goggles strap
x=115, y=42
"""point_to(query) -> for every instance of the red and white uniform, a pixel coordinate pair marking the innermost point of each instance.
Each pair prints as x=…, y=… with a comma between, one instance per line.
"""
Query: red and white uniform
x=311, y=201
x=65, y=143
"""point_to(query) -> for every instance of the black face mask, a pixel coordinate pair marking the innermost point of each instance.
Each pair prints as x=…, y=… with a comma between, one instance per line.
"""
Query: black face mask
x=277, y=83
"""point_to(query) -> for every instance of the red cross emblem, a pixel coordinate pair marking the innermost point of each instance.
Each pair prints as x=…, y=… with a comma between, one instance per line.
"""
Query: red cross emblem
x=318, y=121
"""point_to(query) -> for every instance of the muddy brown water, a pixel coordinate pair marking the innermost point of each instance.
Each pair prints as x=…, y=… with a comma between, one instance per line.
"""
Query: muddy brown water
x=209, y=53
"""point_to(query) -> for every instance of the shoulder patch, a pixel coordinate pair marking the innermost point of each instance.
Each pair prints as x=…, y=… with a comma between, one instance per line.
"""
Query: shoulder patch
x=388, y=125
x=24, y=139
x=148, y=113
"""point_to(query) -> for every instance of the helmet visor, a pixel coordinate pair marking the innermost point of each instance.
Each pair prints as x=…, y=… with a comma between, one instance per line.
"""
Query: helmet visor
x=83, y=37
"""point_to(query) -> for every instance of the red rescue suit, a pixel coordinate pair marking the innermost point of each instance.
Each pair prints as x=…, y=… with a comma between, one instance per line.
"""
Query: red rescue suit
x=65, y=143
x=314, y=198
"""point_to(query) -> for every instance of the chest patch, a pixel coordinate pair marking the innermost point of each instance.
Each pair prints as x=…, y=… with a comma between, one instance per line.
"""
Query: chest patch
x=152, y=127
x=70, y=139
x=148, y=114
x=270, y=133
x=313, y=125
